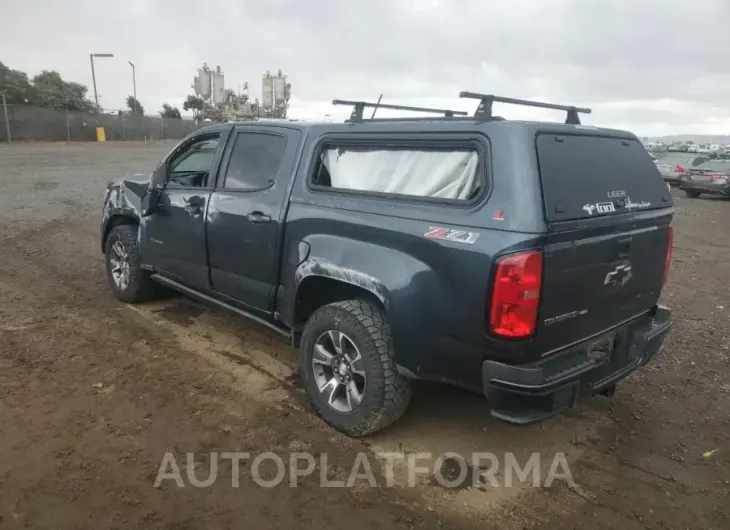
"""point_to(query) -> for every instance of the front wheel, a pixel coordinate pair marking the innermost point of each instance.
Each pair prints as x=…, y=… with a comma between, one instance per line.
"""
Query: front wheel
x=128, y=281
x=349, y=369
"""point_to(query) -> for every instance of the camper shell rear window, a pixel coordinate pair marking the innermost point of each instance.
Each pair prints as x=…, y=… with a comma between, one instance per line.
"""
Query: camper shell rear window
x=588, y=176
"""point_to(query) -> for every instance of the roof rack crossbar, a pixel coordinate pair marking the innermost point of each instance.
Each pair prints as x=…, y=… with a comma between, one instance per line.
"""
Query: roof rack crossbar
x=484, y=110
x=358, y=108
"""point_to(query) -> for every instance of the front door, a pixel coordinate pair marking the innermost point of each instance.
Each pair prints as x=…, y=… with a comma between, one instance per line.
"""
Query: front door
x=174, y=235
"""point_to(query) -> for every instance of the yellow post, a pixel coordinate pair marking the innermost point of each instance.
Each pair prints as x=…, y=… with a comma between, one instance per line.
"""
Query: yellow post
x=100, y=134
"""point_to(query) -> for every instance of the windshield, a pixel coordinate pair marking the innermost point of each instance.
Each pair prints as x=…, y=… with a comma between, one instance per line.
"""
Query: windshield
x=675, y=159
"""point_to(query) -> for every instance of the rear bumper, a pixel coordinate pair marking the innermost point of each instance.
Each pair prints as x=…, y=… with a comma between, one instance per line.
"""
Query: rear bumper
x=524, y=394
x=705, y=187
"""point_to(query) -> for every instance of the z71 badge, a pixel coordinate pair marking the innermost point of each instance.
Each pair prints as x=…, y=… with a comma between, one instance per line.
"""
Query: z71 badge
x=457, y=236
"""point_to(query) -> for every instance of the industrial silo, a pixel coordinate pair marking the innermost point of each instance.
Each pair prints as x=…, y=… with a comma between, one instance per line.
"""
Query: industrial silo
x=218, y=86
x=268, y=91
x=202, y=82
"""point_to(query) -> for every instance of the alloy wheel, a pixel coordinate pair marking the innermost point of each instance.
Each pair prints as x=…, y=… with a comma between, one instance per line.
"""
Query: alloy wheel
x=339, y=371
x=119, y=261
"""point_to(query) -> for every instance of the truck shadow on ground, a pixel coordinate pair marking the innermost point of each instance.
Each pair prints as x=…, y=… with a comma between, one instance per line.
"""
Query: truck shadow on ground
x=439, y=419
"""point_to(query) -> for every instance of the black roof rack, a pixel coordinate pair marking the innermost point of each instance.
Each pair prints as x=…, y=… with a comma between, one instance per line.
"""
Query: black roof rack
x=359, y=107
x=484, y=110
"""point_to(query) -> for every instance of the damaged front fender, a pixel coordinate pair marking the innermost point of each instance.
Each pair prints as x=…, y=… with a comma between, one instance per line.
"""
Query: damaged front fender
x=122, y=201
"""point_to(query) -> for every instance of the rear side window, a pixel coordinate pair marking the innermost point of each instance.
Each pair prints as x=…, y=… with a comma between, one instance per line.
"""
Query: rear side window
x=452, y=174
x=587, y=176
x=255, y=161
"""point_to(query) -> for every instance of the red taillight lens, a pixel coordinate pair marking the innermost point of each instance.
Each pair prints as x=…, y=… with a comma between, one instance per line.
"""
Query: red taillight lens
x=516, y=295
x=668, y=258
x=678, y=169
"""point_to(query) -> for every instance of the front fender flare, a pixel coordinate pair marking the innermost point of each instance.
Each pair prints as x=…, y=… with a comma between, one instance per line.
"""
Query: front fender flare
x=115, y=216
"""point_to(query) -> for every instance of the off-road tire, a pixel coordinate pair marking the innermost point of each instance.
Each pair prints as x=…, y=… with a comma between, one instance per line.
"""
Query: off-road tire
x=387, y=393
x=140, y=288
x=692, y=194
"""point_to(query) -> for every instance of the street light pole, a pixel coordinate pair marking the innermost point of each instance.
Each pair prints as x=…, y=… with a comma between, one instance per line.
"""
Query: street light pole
x=93, y=79
x=134, y=79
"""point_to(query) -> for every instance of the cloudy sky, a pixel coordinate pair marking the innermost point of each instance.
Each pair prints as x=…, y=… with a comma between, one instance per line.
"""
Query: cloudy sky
x=653, y=66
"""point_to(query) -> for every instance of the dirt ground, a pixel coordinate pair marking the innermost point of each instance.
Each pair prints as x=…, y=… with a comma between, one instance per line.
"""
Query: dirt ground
x=93, y=393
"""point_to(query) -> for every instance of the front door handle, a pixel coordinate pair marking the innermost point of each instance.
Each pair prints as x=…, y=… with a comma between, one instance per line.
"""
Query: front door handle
x=194, y=205
x=258, y=217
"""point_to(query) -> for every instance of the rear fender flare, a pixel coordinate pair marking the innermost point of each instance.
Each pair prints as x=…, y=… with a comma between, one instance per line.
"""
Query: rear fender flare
x=326, y=269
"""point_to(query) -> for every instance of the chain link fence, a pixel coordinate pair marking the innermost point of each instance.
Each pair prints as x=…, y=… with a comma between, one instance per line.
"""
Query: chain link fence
x=29, y=123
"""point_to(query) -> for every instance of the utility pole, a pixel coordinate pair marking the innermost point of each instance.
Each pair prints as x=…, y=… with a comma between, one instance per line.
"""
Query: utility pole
x=93, y=79
x=134, y=79
x=68, y=126
x=7, y=119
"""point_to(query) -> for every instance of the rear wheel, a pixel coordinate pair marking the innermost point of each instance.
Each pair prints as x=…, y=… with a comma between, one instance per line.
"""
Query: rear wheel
x=349, y=368
x=692, y=194
x=128, y=281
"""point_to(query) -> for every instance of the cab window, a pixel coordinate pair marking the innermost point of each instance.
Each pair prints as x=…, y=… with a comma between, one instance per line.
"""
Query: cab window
x=191, y=167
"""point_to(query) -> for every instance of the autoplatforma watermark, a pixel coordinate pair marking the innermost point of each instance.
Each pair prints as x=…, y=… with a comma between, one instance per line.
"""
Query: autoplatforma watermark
x=450, y=470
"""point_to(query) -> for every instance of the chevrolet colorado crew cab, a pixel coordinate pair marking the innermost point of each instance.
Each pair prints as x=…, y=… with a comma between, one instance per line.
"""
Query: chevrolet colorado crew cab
x=520, y=260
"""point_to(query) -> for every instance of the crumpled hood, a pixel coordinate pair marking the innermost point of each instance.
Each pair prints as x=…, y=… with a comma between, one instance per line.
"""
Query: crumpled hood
x=131, y=178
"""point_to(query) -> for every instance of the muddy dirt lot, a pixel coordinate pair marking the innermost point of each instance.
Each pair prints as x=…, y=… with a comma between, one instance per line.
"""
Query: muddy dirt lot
x=94, y=393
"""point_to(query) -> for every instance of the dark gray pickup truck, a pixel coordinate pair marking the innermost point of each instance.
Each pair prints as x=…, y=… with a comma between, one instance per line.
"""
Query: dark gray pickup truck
x=521, y=260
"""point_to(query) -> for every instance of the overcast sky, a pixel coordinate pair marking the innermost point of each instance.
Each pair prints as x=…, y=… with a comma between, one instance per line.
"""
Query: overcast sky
x=653, y=66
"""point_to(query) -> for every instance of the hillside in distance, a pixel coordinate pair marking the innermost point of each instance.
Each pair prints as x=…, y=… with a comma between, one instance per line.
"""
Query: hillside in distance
x=696, y=138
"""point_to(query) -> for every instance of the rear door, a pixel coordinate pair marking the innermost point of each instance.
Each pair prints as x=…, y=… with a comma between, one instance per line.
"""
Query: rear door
x=246, y=213
x=608, y=214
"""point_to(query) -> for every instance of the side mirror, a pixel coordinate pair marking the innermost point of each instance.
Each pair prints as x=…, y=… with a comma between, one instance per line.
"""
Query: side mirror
x=151, y=199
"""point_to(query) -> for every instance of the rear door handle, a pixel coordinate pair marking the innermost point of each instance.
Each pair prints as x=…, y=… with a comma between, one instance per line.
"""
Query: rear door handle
x=258, y=217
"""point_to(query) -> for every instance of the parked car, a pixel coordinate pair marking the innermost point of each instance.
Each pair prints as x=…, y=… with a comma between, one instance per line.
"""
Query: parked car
x=704, y=149
x=520, y=260
x=673, y=165
x=712, y=178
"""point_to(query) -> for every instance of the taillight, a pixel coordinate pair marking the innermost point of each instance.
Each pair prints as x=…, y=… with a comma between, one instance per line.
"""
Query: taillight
x=516, y=295
x=678, y=169
x=668, y=258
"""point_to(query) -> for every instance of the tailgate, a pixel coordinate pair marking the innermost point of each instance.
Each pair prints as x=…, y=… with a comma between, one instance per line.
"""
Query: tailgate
x=609, y=212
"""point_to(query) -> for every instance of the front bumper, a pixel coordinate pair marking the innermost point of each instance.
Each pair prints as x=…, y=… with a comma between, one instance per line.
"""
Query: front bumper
x=709, y=188
x=524, y=394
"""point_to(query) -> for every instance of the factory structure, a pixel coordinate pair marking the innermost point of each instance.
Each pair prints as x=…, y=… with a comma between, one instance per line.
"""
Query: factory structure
x=222, y=104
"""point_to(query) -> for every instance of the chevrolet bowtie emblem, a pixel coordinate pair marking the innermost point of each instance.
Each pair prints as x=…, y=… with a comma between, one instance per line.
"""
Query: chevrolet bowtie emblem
x=618, y=276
